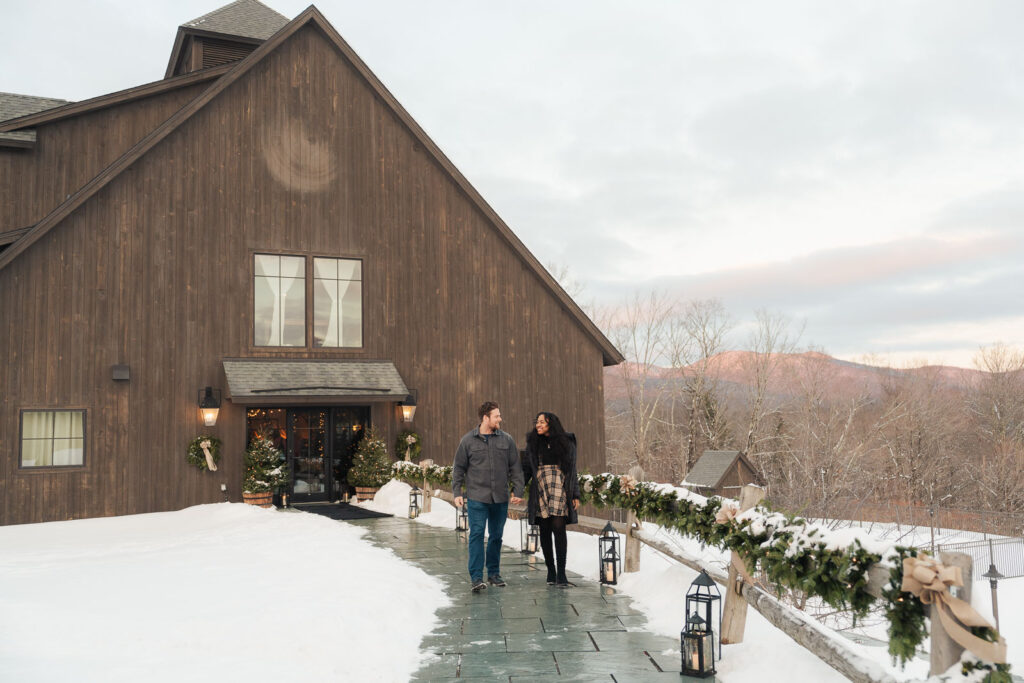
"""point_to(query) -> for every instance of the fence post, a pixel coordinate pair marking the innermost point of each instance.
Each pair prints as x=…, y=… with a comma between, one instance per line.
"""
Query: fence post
x=946, y=651
x=734, y=612
x=427, y=494
x=632, y=555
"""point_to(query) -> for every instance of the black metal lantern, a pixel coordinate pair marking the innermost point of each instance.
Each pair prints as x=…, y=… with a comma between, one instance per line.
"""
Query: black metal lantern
x=461, y=518
x=408, y=406
x=701, y=597
x=415, y=502
x=529, y=536
x=697, y=646
x=209, y=405
x=608, y=555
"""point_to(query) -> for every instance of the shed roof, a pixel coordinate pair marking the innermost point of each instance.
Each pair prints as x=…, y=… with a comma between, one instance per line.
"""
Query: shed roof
x=253, y=380
x=13, y=106
x=711, y=467
x=247, y=18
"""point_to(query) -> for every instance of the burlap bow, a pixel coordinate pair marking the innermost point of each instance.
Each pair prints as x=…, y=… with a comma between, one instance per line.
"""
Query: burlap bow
x=930, y=580
x=627, y=484
x=726, y=513
x=205, y=445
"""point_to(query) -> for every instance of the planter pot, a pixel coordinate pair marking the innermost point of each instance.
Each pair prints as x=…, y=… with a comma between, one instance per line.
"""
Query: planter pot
x=366, y=492
x=264, y=500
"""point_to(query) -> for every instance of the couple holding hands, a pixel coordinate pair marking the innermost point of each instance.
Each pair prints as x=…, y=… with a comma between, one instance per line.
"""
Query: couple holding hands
x=487, y=462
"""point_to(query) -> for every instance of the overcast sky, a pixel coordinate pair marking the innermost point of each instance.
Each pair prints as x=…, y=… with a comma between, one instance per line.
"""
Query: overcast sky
x=857, y=166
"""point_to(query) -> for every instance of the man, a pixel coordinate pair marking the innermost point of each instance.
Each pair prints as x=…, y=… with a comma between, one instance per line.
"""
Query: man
x=486, y=461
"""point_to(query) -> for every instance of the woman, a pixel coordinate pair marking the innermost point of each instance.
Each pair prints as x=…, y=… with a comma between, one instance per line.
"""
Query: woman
x=550, y=464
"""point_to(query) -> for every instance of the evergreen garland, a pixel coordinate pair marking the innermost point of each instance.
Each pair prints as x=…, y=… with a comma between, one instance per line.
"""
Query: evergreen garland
x=789, y=549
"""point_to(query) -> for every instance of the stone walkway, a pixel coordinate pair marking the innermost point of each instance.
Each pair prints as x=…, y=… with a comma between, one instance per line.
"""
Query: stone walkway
x=527, y=631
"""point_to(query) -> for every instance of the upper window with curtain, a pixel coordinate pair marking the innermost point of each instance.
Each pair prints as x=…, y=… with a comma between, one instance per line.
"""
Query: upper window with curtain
x=337, y=302
x=279, y=300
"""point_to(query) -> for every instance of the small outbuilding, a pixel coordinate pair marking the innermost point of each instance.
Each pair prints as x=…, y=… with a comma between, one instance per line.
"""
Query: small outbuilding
x=722, y=473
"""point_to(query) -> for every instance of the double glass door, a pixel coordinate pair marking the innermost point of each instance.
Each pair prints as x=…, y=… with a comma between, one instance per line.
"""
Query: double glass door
x=318, y=444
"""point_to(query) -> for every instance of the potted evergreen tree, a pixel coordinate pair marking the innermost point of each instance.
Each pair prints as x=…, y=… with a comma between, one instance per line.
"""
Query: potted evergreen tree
x=265, y=470
x=371, y=466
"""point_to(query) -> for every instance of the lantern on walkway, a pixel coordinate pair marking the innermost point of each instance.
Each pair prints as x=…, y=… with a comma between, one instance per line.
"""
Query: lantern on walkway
x=415, y=502
x=608, y=555
x=697, y=645
x=702, y=597
x=529, y=536
x=461, y=518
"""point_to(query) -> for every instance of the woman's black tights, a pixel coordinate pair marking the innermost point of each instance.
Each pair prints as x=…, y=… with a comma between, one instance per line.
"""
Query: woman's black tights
x=556, y=562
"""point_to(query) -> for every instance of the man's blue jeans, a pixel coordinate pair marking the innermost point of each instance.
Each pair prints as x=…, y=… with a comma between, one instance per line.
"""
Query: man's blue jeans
x=493, y=515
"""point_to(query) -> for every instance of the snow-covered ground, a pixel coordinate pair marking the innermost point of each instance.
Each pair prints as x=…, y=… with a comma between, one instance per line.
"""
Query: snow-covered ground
x=225, y=592
x=230, y=592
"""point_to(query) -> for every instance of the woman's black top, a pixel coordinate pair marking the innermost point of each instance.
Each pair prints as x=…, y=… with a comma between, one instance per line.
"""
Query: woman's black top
x=549, y=451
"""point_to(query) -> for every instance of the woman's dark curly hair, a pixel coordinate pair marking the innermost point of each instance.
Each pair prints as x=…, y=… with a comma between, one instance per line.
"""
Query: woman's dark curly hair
x=556, y=433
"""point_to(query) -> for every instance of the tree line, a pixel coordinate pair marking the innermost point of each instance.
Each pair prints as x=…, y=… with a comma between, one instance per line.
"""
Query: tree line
x=819, y=435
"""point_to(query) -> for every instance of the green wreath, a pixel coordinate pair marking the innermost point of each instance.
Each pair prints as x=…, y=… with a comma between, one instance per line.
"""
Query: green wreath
x=408, y=439
x=196, y=456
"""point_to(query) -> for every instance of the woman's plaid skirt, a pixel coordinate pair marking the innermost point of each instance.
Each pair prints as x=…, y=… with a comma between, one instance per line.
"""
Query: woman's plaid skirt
x=551, y=500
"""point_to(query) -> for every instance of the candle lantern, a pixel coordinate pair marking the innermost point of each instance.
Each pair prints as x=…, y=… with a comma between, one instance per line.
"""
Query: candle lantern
x=697, y=646
x=608, y=555
x=415, y=502
x=701, y=599
x=529, y=536
x=533, y=539
x=461, y=519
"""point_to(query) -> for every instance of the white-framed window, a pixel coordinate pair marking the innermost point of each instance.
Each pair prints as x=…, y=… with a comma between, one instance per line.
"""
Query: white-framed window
x=337, y=302
x=52, y=438
x=279, y=300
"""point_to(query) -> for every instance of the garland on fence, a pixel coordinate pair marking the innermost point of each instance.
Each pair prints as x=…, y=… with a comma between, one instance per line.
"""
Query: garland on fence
x=792, y=551
x=438, y=476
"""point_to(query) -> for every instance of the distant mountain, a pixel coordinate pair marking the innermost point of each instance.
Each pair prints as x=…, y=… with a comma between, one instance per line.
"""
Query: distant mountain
x=733, y=370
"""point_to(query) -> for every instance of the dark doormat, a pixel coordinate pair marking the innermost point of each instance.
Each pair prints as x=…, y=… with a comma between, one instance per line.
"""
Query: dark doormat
x=339, y=510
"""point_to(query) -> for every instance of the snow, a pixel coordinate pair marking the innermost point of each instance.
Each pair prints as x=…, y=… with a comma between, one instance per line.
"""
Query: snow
x=230, y=591
x=209, y=593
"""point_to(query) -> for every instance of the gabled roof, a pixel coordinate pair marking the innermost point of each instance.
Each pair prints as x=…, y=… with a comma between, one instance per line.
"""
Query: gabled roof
x=14, y=106
x=246, y=18
x=712, y=467
x=312, y=16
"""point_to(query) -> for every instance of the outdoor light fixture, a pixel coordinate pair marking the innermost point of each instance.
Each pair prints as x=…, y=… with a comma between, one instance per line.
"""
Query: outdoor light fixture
x=529, y=536
x=704, y=592
x=415, y=502
x=608, y=555
x=993, y=577
x=461, y=519
x=409, y=407
x=209, y=405
x=697, y=645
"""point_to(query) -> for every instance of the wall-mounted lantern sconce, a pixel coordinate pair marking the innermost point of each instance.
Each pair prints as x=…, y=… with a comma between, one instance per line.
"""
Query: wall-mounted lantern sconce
x=409, y=407
x=209, y=405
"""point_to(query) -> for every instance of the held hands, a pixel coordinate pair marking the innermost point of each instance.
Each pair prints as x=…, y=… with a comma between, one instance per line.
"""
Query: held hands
x=517, y=501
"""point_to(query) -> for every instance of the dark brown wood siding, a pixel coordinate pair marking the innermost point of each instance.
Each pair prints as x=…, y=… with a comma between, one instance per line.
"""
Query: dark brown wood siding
x=70, y=152
x=155, y=271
